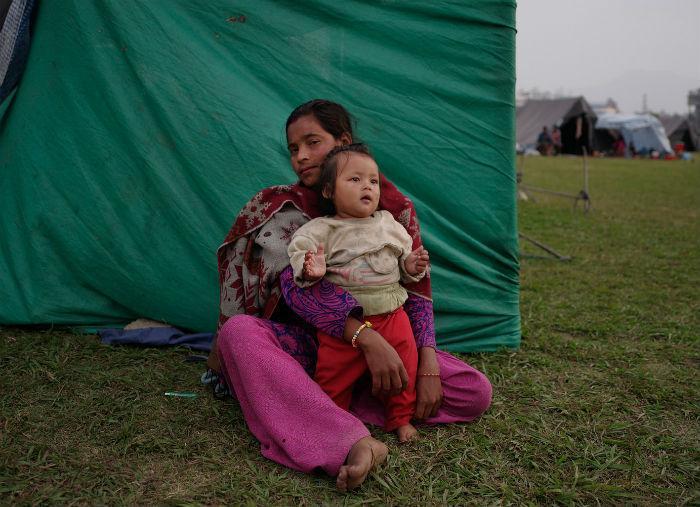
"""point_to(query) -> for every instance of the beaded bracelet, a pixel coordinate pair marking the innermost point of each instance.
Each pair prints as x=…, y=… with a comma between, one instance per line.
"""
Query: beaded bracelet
x=428, y=374
x=367, y=324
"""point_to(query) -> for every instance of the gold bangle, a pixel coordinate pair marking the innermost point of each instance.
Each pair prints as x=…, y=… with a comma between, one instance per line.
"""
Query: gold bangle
x=428, y=374
x=367, y=324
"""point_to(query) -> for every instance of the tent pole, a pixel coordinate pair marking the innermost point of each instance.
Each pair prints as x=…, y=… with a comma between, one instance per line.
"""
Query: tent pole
x=522, y=193
x=585, y=170
x=583, y=194
x=553, y=192
x=546, y=248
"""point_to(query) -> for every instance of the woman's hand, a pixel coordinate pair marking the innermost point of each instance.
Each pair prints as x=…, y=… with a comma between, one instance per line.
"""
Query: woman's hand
x=429, y=388
x=389, y=375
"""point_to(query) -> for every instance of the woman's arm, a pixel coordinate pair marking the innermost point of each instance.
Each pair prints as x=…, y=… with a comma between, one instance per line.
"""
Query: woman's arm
x=420, y=313
x=329, y=308
x=324, y=305
x=428, y=387
x=419, y=310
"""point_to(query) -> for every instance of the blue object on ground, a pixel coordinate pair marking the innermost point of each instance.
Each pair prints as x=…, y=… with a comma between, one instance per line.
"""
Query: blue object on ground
x=157, y=337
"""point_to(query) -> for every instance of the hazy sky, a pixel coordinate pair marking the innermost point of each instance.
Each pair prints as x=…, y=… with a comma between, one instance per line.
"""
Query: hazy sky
x=611, y=48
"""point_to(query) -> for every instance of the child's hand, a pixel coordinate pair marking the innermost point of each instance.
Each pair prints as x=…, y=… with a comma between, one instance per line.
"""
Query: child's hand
x=314, y=265
x=417, y=261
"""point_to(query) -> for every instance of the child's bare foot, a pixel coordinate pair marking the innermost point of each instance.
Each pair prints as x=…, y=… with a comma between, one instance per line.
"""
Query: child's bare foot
x=367, y=453
x=406, y=433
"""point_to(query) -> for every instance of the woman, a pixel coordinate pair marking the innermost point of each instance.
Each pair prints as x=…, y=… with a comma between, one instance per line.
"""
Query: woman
x=265, y=348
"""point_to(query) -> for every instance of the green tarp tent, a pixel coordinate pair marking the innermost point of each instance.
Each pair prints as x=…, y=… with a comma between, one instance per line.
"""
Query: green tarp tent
x=140, y=128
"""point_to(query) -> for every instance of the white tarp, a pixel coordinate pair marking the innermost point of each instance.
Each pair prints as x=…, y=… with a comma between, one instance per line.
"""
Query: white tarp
x=643, y=130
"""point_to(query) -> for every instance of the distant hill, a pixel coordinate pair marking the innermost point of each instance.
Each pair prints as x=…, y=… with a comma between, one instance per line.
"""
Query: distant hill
x=665, y=91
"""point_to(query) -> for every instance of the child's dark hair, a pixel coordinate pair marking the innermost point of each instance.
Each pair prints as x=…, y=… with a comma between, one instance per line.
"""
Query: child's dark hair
x=333, y=117
x=329, y=173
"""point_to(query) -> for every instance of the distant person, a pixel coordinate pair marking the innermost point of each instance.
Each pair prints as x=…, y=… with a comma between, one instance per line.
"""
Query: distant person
x=544, y=142
x=556, y=141
x=619, y=148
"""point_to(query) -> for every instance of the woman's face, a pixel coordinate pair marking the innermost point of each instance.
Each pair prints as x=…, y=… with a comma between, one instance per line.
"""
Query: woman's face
x=308, y=145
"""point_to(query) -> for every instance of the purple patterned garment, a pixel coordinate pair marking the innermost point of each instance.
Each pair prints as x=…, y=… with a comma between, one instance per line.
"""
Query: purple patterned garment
x=420, y=314
x=298, y=342
x=323, y=305
x=326, y=306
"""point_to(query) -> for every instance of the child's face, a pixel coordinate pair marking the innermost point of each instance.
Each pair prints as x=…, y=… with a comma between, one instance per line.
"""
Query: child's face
x=356, y=192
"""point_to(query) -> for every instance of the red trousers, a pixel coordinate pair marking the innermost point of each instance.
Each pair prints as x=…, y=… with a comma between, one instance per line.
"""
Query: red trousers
x=339, y=366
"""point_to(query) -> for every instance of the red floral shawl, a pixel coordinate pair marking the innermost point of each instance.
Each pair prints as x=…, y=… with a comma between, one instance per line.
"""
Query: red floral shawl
x=254, y=252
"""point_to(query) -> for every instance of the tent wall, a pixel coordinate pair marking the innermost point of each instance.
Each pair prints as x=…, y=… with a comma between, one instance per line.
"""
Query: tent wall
x=140, y=129
x=678, y=131
x=604, y=141
x=682, y=135
x=562, y=113
x=644, y=131
x=687, y=139
x=577, y=134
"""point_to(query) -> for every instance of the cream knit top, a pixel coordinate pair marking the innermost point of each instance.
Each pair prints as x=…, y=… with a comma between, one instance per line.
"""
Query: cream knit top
x=364, y=256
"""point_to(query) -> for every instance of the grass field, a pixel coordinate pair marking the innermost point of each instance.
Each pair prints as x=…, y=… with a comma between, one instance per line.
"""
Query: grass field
x=599, y=406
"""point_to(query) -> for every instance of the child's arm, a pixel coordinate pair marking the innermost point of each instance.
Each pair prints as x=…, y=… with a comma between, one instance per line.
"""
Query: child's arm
x=412, y=264
x=314, y=265
x=307, y=259
x=417, y=261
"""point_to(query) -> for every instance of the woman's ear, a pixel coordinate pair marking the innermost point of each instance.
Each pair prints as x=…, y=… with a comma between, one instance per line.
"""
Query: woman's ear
x=345, y=139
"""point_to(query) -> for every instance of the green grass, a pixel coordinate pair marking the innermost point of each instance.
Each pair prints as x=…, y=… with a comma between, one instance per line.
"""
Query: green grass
x=600, y=405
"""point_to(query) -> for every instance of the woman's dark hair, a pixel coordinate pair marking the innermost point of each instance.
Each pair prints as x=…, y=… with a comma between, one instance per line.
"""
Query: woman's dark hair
x=329, y=172
x=333, y=117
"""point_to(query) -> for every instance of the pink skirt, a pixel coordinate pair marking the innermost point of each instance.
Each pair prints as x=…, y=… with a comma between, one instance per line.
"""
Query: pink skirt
x=296, y=423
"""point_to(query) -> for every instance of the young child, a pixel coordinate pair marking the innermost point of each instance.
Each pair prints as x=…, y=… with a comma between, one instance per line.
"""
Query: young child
x=366, y=252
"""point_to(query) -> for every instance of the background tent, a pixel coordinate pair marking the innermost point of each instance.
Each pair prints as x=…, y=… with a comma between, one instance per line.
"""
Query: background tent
x=139, y=129
x=573, y=116
x=678, y=130
x=644, y=130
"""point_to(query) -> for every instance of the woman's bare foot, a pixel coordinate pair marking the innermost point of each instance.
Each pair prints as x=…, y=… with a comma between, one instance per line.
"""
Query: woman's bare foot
x=366, y=454
x=406, y=433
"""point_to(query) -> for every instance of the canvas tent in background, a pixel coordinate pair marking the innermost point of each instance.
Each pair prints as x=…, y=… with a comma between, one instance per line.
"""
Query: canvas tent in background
x=678, y=130
x=643, y=130
x=573, y=116
x=139, y=129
